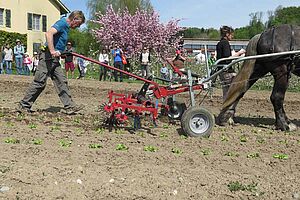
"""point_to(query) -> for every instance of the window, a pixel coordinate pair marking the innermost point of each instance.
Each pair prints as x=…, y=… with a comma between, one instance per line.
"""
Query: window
x=36, y=22
x=44, y=23
x=8, y=18
x=33, y=22
x=1, y=17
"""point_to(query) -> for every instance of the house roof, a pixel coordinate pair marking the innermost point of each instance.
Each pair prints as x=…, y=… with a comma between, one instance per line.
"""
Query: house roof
x=62, y=7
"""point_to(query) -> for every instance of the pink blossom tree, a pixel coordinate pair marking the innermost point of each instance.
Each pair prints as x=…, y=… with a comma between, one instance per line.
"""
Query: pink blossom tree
x=135, y=31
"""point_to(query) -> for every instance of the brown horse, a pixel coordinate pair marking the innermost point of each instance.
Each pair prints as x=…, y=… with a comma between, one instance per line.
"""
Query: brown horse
x=274, y=40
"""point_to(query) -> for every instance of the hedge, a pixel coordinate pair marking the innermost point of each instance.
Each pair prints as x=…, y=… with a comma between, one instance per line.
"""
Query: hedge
x=11, y=37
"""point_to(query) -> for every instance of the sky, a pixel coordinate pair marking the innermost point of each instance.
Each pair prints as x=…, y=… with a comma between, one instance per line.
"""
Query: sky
x=206, y=14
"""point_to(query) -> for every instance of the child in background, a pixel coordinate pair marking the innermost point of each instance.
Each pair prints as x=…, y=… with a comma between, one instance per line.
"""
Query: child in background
x=35, y=62
x=81, y=68
x=27, y=64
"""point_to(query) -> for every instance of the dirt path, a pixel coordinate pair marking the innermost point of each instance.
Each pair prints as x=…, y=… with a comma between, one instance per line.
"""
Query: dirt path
x=48, y=155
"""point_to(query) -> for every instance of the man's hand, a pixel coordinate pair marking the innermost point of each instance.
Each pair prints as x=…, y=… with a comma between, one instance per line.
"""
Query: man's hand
x=55, y=53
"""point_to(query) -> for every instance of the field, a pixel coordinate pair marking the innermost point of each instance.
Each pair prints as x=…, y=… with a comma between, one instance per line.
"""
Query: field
x=48, y=155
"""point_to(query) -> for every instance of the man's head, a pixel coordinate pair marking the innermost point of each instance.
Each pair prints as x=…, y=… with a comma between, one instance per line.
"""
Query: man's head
x=69, y=45
x=18, y=42
x=145, y=49
x=226, y=32
x=76, y=18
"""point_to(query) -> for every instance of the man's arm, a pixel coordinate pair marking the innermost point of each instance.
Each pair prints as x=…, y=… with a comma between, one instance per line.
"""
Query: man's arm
x=49, y=37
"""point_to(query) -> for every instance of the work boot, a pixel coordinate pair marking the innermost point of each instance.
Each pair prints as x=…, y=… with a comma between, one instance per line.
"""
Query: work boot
x=73, y=110
x=21, y=109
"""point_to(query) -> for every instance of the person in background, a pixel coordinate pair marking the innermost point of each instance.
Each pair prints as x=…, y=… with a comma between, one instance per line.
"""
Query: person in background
x=69, y=61
x=212, y=58
x=81, y=67
x=27, y=64
x=179, y=59
x=19, y=56
x=103, y=58
x=145, y=61
x=8, y=58
x=117, y=55
x=2, y=54
x=164, y=72
x=49, y=66
x=224, y=51
x=35, y=62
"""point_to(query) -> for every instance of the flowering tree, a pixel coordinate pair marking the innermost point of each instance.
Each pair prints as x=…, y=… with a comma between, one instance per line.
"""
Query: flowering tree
x=135, y=31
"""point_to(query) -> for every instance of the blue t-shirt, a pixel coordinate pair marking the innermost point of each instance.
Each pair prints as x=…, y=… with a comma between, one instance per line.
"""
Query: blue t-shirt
x=61, y=37
x=118, y=57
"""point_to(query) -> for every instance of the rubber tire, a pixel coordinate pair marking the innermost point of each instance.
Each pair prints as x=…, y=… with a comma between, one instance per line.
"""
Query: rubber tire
x=181, y=107
x=206, y=116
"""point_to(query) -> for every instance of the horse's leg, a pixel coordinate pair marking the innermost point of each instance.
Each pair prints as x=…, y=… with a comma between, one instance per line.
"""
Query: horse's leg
x=229, y=111
x=281, y=81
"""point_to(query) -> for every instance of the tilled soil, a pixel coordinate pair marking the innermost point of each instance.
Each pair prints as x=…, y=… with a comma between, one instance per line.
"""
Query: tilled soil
x=49, y=155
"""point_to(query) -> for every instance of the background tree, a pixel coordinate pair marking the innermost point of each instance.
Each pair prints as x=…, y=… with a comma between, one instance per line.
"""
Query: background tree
x=135, y=31
x=288, y=15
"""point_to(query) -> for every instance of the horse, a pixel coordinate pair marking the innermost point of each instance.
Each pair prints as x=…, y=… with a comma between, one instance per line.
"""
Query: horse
x=277, y=39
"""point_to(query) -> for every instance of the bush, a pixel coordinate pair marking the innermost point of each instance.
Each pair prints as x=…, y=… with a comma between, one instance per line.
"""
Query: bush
x=11, y=37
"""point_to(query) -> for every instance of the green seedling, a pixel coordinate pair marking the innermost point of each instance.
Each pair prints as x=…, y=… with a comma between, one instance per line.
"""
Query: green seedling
x=65, y=143
x=150, y=148
x=59, y=119
x=55, y=128
x=243, y=138
x=280, y=156
x=231, y=154
x=9, y=124
x=253, y=155
x=32, y=126
x=100, y=130
x=177, y=151
x=76, y=120
x=119, y=132
x=237, y=186
x=2, y=114
x=283, y=142
x=12, y=141
x=165, y=126
x=121, y=147
x=260, y=140
x=37, y=141
x=163, y=135
x=183, y=136
x=95, y=146
x=142, y=134
x=20, y=117
x=205, y=152
x=224, y=138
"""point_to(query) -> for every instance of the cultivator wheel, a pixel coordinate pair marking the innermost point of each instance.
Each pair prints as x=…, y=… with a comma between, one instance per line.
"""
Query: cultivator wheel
x=176, y=110
x=197, y=122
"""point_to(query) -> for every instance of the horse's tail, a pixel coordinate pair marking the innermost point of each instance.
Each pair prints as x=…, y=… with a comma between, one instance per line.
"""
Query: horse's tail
x=239, y=84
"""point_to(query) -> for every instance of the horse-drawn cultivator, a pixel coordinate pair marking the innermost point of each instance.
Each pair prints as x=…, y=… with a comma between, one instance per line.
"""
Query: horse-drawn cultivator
x=154, y=100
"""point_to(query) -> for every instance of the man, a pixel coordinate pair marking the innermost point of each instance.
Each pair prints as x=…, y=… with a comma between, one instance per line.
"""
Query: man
x=19, y=56
x=69, y=61
x=49, y=66
x=145, y=61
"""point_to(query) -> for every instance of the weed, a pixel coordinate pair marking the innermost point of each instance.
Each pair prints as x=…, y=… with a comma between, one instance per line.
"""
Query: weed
x=10, y=124
x=253, y=155
x=121, y=147
x=205, y=152
x=165, y=126
x=283, y=141
x=59, y=119
x=260, y=140
x=150, y=148
x=65, y=143
x=20, y=117
x=95, y=146
x=119, y=132
x=12, y=141
x=177, y=151
x=37, y=141
x=183, y=136
x=280, y=156
x=76, y=120
x=2, y=114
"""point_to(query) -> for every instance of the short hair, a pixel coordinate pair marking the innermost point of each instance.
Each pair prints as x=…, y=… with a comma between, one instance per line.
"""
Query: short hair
x=226, y=29
x=78, y=14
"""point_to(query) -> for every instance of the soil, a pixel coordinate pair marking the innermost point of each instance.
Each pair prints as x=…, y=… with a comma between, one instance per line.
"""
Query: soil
x=249, y=160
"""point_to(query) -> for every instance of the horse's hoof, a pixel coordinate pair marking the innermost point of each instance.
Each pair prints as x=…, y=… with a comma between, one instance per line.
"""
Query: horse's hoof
x=292, y=127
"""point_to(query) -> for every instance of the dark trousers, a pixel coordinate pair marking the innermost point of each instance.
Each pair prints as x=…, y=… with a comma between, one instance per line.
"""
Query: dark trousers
x=118, y=65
